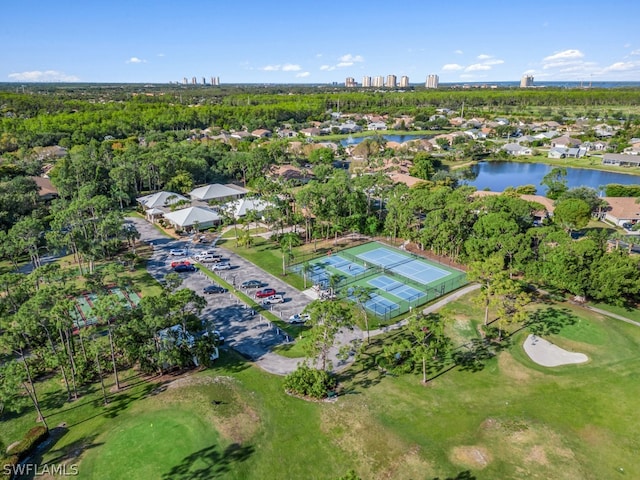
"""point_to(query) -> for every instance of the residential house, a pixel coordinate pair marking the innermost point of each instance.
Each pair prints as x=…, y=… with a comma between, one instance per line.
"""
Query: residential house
x=377, y=126
x=548, y=135
x=311, y=132
x=261, y=133
x=576, y=152
x=287, y=133
x=595, y=146
x=565, y=141
x=557, y=152
x=46, y=190
x=516, y=149
x=240, y=135
x=622, y=210
x=621, y=159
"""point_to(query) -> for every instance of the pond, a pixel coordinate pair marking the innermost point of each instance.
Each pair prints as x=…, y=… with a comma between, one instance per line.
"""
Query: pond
x=497, y=176
x=389, y=138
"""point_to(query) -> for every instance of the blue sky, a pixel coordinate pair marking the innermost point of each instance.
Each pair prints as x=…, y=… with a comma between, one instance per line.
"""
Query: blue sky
x=318, y=41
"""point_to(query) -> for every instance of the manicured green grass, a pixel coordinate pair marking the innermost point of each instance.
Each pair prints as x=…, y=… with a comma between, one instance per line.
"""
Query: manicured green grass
x=508, y=419
x=152, y=444
x=231, y=233
x=268, y=256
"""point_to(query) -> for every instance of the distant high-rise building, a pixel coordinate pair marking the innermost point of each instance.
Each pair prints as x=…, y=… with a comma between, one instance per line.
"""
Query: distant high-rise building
x=204, y=81
x=391, y=81
x=526, y=81
x=350, y=82
x=378, y=81
x=404, y=81
x=194, y=81
x=366, y=81
x=432, y=81
x=185, y=81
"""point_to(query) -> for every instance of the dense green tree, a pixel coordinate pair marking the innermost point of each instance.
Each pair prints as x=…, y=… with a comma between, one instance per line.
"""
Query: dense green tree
x=572, y=214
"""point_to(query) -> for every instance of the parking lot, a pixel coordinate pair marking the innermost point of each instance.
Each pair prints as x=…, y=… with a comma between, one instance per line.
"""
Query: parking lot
x=243, y=329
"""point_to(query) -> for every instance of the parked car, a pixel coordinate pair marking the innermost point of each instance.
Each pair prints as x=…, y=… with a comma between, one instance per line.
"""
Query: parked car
x=252, y=284
x=299, y=318
x=207, y=258
x=273, y=299
x=214, y=289
x=267, y=292
x=184, y=268
x=221, y=266
x=177, y=252
x=175, y=263
x=207, y=253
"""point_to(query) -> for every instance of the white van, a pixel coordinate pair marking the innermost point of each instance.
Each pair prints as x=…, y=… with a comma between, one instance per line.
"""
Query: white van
x=207, y=257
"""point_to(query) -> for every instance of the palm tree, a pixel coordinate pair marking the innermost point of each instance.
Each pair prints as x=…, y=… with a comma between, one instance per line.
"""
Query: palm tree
x=307, y=268
x=362, y=295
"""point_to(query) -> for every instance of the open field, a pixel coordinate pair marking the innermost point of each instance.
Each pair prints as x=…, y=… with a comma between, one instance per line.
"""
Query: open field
x=508, y=418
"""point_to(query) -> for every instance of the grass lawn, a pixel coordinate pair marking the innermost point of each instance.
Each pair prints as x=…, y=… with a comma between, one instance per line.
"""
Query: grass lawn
x=509, y=418
x=231, y=233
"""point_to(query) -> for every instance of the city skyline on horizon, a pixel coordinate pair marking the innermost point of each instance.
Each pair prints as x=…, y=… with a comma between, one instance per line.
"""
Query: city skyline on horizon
x=153, y=42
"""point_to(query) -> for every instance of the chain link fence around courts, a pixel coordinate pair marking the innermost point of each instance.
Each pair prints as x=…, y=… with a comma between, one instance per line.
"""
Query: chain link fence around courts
x=383, y=312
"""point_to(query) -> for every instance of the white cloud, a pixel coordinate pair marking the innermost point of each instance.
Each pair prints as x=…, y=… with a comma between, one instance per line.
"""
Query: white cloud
x=451, y=67
x=476, y=67
x=636, y=52
x=303, y=74
x=564, y=55
x=484, y=56
x=136, y=60
x=160, y=55
x=493, y=61
x=291, y=68
x=46, y=76
x=344, y=61
x=458, y=52
x=621, y=67
x=348, y=58
x=271, y=68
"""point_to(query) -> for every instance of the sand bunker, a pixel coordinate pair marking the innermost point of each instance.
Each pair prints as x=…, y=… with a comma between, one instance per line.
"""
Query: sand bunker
x=547, y=354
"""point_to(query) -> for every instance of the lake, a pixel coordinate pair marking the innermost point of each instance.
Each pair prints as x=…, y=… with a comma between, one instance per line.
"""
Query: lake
x=496, y=176
x=388, y=138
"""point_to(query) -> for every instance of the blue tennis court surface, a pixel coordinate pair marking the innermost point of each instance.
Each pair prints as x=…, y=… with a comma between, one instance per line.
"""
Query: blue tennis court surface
x=395, y=288
x=404, y=265
x=344, y=265
x=380, y=305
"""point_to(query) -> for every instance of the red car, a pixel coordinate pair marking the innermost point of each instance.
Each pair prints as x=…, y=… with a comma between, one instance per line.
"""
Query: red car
x=266, y=292
x=180, y=262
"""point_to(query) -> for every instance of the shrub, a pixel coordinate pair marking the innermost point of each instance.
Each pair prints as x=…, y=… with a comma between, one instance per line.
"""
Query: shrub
x=310, y=382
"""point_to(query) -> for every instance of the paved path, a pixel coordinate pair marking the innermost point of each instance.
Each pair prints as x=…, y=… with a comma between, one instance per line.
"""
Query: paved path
x=250, y=334
x=612, y=315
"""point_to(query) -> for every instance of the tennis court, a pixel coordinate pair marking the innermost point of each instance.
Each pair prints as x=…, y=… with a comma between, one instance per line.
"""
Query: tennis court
x=82, y=312
x=396, y=288
x=396, y=280
x=417, y=270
